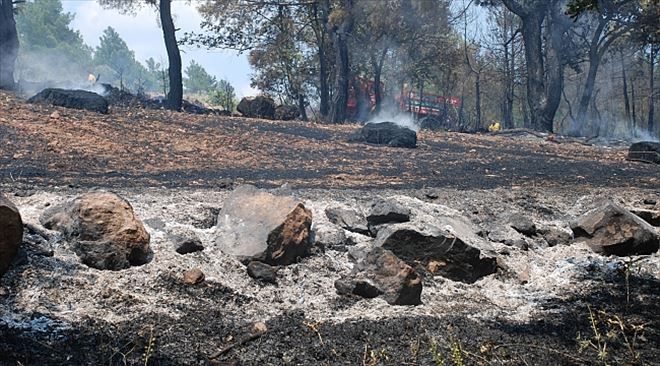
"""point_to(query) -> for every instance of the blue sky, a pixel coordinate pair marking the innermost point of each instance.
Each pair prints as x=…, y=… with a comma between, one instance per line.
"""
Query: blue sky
x=142, y=34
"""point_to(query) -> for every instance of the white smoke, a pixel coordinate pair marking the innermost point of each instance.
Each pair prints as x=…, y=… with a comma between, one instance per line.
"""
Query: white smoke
x=643, y=135
x=390, y=113
x=40, y=69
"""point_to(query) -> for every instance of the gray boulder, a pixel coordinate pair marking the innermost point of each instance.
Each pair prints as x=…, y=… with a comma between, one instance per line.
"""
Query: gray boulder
x=257, y=225
x=383, y=211
x=381, y=273
x=102, y=229
x=612, y=230
x=11, y=233
x=388, y=134
x=522, y=224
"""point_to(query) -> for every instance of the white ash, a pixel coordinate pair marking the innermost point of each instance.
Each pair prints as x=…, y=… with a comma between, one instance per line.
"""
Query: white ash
x=61, y=288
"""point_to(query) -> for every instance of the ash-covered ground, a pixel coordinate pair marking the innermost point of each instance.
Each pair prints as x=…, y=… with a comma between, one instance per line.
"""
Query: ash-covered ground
x=550, y=302
x=538, y=311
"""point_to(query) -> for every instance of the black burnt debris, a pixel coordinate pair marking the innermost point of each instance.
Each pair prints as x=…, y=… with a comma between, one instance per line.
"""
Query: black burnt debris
x=77, y=99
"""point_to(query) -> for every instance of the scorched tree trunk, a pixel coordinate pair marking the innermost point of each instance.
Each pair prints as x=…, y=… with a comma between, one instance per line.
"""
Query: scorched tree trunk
x=8, y=44
x=175, y=96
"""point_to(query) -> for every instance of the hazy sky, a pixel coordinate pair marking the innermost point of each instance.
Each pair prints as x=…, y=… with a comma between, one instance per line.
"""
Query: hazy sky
x=142, y=34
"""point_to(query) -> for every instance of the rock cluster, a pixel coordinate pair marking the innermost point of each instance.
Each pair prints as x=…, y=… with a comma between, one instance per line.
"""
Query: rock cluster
x=393, y=242
x=409, y=233
x=265, y=107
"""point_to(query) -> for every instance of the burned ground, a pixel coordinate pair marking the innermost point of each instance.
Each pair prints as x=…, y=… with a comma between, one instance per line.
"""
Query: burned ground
x=209, y=323
x=178, y=167
x=160, y=148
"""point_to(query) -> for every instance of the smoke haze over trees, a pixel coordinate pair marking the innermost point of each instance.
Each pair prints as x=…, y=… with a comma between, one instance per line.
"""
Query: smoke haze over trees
x=580, y=67
x=48, y=43
x=52, y=53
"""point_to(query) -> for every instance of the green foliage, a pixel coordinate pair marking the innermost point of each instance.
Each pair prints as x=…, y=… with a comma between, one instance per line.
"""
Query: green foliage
x=157, y=79
x=455, y=353
x=436, y=355
x=223, y=95
x=282, y=42
x=114, y=55
x=197, y=80
x=50, y=49
x=607, y=331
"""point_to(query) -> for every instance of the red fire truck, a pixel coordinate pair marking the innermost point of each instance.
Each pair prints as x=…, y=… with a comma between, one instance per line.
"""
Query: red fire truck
x=362, y=100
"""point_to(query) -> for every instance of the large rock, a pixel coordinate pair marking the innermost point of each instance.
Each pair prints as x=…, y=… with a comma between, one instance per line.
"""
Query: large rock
x=381, y=273
x=459, y=255
x=286, y=112
x=437, y=233
x=611, y=229
x=647, y=151
x=388, y=134
x=102, y=230
x=257, y=107
x=77, y=99
x=11, y=233
x=257, y=225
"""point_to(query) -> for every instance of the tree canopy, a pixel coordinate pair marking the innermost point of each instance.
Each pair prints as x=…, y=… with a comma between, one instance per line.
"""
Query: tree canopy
x=113, y=55
x=197, y=80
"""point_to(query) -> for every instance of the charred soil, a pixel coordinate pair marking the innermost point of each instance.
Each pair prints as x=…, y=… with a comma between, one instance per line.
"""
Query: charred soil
x=558, y=304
